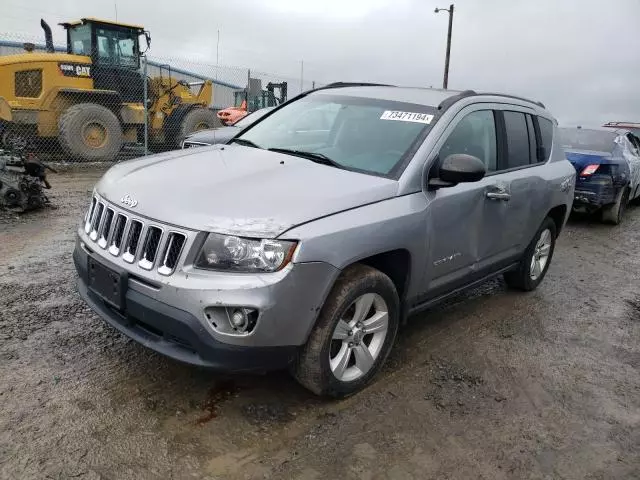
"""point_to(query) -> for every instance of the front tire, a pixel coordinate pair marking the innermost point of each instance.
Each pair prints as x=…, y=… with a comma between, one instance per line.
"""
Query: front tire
x=353, y=335
x=536, y=259
x=90, y=132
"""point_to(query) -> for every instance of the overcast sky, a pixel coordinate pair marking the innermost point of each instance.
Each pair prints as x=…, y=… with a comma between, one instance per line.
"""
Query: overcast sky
x=580, y=57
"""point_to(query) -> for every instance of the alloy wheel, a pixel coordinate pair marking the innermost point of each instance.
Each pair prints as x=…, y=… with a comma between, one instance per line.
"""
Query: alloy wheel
x=358, y=337
x=540, y=255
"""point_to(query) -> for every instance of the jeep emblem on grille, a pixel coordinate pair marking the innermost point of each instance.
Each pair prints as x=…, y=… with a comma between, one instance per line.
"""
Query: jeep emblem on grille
x=129, y=201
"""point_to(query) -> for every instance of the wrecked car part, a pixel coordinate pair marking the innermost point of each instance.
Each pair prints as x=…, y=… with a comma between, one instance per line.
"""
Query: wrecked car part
x=22, y=181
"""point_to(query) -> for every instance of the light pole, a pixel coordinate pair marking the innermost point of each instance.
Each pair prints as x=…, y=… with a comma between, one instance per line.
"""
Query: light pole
x=445, y=82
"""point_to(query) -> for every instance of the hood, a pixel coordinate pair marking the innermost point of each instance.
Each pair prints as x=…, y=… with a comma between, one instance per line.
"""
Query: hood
x=238, y=190
x=581, y=158
x=213, y=136
x=27, y=57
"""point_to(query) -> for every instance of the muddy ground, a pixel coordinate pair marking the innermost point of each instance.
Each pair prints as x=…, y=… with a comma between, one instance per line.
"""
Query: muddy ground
x=493, y=385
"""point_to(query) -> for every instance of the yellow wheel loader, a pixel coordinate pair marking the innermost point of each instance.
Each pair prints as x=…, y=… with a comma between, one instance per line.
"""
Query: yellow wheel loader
x=90, y=100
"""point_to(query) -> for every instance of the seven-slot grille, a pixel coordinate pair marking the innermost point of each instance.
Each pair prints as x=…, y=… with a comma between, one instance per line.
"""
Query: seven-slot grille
x=150, y=245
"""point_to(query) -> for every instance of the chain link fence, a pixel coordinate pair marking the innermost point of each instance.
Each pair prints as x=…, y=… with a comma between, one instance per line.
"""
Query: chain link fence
x=99, y=100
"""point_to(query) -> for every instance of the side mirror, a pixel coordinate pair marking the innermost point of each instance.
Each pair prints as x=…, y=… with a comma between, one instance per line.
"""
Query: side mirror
x=147, y=39
x=458, y=168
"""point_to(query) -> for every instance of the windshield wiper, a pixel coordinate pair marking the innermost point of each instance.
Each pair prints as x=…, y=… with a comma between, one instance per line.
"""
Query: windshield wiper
x=313, y=156
x=246, y=143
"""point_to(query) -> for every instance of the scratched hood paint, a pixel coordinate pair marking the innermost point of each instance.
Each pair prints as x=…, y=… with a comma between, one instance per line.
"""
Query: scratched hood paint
x=238, y=190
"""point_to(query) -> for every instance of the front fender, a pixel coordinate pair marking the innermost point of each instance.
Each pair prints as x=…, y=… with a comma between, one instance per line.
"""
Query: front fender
x=347, y=237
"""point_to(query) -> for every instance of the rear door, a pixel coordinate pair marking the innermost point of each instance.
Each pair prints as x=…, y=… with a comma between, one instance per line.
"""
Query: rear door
x=515, y=193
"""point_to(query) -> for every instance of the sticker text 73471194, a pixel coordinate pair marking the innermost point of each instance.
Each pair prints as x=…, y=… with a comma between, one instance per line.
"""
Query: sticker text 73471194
x=406, y=116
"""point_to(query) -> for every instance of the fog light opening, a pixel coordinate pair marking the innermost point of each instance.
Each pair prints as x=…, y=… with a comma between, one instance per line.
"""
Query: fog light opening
x=242, y=320
x=232, y=320
x=215, y=325
x=239, y=320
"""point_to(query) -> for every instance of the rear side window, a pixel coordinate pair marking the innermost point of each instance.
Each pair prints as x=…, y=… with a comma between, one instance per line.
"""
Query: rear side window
x=533, y=157
x=635, y=142
x=518, y=150
x=546, y=138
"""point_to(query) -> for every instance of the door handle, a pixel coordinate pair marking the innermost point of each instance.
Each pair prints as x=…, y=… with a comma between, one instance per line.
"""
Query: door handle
x=498, y=195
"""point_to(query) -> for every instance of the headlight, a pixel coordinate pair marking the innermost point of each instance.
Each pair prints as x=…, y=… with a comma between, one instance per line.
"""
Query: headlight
x=223, y=252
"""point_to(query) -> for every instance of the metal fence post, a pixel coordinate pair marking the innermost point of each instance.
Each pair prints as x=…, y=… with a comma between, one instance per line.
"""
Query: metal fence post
x=146, y=105
x=246, y=95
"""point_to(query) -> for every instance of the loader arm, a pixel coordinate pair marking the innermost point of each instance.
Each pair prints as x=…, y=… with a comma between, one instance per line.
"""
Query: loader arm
x=205, y=94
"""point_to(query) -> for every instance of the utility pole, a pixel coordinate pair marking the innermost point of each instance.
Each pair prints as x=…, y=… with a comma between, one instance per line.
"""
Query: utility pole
x=445, y=81
x=218, y=55
x=301, y=75
x=218, y=50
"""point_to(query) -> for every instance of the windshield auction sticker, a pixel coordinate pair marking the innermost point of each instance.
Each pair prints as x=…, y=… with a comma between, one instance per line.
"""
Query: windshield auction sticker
x=406, y=116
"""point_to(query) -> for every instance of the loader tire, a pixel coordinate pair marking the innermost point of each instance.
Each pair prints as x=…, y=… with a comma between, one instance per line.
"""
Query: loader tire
x=197, y=119
x=90, y=132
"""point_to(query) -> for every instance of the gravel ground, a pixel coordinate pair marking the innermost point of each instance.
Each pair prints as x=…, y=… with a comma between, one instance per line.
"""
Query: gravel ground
x=495, y=384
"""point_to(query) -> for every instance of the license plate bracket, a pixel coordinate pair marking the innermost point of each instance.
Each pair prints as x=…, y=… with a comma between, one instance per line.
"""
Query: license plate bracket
x=109, y=284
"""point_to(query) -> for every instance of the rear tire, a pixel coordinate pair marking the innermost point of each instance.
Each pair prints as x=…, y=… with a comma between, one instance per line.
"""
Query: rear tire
x=90, y=132
x=197, y=119
x=544, y=241
x=613, y=213
x=313, y=367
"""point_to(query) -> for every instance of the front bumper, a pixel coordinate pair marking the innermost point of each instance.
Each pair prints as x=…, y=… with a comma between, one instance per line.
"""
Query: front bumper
x=171, y=320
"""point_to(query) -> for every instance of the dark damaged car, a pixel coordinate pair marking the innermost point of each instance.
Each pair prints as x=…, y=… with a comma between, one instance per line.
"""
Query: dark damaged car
x=607, y=164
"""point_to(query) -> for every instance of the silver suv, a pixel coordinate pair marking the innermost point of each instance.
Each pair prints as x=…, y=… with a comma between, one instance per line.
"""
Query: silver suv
x=309, y=238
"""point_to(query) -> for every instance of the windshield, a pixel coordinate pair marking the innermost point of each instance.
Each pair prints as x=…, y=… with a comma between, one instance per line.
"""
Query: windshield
x=252, y=118
x=584, y=139
x=362, y=134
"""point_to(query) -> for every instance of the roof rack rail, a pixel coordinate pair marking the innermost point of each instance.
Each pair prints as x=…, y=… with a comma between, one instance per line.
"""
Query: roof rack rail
x=622, y=124
x=447, y=102
x=540, y=104
x=353, y=84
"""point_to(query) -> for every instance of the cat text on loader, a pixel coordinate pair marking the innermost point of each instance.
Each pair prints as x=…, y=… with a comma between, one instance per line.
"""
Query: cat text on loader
x=90, y=100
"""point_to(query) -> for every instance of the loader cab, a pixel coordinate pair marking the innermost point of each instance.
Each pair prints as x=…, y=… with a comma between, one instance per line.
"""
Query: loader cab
x=114, y=49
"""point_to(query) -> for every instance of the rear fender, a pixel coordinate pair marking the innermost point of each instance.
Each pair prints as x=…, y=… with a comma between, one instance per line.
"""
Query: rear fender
x=615, y=167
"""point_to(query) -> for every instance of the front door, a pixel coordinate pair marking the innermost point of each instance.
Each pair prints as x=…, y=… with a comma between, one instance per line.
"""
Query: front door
x=460, y=217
